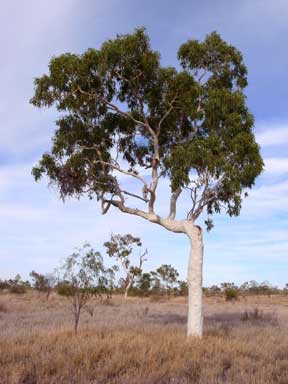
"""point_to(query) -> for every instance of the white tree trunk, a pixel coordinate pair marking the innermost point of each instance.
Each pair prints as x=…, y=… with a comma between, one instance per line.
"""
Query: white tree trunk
x=195, y=295
x=127, y=288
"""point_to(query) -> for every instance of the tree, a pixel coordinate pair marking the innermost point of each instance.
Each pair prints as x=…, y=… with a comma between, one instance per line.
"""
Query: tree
x=43, y=283
x=82, y=276
x=17, y=285
x=182, y=288
x=144, y=284
x=231, y=291
x=122, y=113
x=167, y=275
x=156, y=288
x=121, y=247
x=4, y=284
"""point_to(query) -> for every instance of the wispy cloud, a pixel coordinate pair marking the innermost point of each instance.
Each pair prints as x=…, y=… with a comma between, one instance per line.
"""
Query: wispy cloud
x=272, y=134
x=37, y=229
x=276, y=165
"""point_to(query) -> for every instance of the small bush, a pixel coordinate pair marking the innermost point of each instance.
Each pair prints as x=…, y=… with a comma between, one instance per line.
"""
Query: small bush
x=17, y=288
x=64, y=289
x=231, y=294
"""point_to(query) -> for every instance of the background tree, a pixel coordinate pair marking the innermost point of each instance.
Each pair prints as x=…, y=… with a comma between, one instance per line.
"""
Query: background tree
x=43, y=283
x=4, y=284
x=230, y=290
x=182, y=288
x=82, y=276
x=168, y=277
x=144, y=284
x=17, y=285
x=156, y=288
x=121, y=112
x=121, y=247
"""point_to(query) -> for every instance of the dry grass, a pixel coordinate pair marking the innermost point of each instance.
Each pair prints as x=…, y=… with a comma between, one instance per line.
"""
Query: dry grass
x=143, y=342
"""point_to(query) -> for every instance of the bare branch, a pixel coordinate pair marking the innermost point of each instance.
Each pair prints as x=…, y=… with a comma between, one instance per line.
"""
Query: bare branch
x=114, y=107
x=166, y=114
x=142, y=258
x=146, y=125
x=113, y=166
x=134, y=195
x=208, y=194
x=171, y=225
x=173, y=202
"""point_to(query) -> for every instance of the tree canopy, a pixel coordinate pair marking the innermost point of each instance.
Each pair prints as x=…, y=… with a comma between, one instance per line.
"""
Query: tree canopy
x=122, y=112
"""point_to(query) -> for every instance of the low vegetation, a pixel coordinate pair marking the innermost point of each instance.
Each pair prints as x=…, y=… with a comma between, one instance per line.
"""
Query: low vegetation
x=140, y=338
x=137, y=341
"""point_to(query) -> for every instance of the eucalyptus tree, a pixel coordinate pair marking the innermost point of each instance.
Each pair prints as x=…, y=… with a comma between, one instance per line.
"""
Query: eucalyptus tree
x=122, y=115
x=43, y=283
x=121, y=248
x=167, y=275
x=82, y=276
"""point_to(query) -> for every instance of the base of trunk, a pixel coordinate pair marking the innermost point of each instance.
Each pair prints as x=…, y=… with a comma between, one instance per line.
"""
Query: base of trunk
x=195, y=294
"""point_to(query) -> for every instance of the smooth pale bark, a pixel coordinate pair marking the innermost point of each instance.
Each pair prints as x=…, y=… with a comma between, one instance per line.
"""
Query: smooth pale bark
x=195, y=265
x=195, y=294
x=127, y=288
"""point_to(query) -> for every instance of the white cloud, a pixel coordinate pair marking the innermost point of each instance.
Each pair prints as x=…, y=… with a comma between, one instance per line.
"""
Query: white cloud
x=272, y=134
x=266, y=201
x=30, y=33
x=36, y=228
x=276, y=165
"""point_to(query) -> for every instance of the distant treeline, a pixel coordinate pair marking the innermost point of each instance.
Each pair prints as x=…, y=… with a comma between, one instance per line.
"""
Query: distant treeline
x=85, y=274
x=147, y=284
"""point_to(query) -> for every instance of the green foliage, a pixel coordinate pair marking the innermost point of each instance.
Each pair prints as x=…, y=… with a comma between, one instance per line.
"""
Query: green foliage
x=191, y=124
x=42, y=283
x=83, y=275
x=144, y=284
x=232, y=291
x=18, y=286
x=121, y=248
x=4, y=284
x=64, y=289
x=254, y=288
x=167, y=276
x=84, y=271
x=182, y=288
x=231, y=294
x=213, y=290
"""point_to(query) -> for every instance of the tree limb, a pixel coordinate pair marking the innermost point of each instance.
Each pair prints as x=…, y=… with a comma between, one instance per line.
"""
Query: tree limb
x=178, y=226
x=173, y=202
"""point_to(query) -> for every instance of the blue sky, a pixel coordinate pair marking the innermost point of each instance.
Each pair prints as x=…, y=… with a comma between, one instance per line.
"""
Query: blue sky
x=37, y=229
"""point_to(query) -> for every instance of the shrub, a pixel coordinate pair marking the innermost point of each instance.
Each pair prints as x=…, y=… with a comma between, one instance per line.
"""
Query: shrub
x=17, y=288
x=64, y=289
x=4, y=284
x=43, y=283
x=84, y=275
x=231, y=294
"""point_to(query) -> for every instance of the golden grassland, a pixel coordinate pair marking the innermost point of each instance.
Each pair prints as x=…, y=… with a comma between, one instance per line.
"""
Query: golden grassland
x=142, y=341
